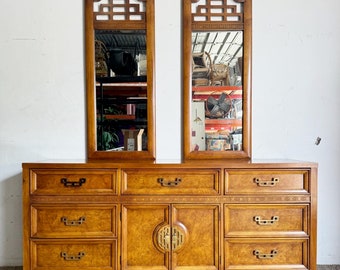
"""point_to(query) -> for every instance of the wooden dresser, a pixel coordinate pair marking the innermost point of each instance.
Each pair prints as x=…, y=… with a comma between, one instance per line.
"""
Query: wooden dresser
x=188, y=216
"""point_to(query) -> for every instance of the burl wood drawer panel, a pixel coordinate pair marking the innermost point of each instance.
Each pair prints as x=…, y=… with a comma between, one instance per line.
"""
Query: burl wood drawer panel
x=73, y=182
x=75, y=255
x=278, y=220
x=242, y=254
x=171, y=182
x=266, y=181
x=67, y=221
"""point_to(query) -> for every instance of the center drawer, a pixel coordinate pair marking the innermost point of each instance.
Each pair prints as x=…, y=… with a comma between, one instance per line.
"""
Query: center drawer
x=64, y=221
x=171, y=182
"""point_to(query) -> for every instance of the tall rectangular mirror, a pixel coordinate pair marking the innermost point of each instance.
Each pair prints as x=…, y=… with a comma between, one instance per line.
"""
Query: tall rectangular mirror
x=120, y=79
x=217, y=79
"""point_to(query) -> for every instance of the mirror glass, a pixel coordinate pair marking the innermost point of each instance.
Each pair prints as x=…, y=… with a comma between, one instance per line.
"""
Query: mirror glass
x=217, y=91
x=217, y=58
x=121, y=96
x=120, y=44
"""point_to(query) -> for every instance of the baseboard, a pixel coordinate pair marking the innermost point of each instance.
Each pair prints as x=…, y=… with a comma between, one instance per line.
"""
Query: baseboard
x=320, y=267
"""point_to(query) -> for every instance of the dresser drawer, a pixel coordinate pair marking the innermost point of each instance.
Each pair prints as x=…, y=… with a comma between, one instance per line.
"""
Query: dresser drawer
x=171, y=181
x=75, y=182
x=64, y=221
x=266, y=220
x=266, y=181
x=266, y=254
x=75, y=255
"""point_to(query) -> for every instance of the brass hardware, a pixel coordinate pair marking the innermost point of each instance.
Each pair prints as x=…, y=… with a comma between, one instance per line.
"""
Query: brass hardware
x=264, y=183
x=163, y=238
x=271, y=221
x=260, y=255
x=72, y=257
x=169, y=183
x=169, y=238
x=73, y=183
x=178, y=238
x=78, y=222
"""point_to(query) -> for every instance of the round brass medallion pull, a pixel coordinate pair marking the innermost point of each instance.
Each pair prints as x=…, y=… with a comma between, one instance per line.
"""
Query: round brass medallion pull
x=271, y=221
x=68, y=222
x=167, y=238
x=260, y=255
x=72, y=257
x=267, y=183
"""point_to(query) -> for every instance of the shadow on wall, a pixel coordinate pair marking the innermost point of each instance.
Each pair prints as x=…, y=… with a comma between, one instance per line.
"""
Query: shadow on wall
x=11, y=221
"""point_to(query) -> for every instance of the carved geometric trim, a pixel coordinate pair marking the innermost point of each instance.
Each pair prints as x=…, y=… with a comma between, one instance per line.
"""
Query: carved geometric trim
x=119, y=14
x=217, y=14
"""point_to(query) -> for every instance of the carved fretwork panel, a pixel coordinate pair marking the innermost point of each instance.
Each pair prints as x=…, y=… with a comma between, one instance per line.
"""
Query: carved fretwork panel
x=217, y=14
x=119, y=14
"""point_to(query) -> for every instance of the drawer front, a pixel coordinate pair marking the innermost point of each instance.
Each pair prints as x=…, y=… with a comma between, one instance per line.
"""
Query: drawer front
x=266, y=181
x=266, y=220
x=171, y=181
x=64, y=221
x=73, y=182
x=94, y=255
x=266, y=254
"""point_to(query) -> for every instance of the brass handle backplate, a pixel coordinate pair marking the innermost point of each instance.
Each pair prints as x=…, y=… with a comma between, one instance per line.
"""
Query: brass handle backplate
x=267, y=183
x=260, y=255
x=72, y=257
x=271, y=221
x=68, y=183
x=68, y=222
x=169, y=183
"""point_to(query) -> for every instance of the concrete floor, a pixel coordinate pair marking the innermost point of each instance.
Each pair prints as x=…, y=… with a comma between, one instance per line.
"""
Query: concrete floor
x=320, y=267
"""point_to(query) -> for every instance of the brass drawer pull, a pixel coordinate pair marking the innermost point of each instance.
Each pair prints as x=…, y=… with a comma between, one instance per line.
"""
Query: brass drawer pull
x=169, y=183
x=78, y=222
x=271, y=221
x=265, y=183
x=68, y=183
x=260, y=255
x=72, y=257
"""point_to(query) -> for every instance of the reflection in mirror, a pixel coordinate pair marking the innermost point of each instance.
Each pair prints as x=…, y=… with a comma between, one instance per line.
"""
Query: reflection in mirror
x=217, y=90
x=119, y=78
x=217, y=61
x=121, y=96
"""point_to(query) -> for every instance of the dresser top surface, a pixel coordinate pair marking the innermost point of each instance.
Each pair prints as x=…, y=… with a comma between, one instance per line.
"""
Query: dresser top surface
x=237, y=164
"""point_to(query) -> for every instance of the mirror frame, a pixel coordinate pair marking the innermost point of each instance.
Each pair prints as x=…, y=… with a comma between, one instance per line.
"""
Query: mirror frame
x=90, y=26
x=188, y=26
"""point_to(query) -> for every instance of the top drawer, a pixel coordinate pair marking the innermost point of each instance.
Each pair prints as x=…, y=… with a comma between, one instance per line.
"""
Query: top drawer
x=171, y=181
x=72, y=182
x=264, y=181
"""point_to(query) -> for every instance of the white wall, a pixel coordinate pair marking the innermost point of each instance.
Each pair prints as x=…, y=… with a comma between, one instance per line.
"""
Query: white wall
x=296, y=96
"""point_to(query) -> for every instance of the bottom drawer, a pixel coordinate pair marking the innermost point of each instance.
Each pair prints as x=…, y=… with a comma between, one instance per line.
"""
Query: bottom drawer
x=263, y=254
x=76, y=255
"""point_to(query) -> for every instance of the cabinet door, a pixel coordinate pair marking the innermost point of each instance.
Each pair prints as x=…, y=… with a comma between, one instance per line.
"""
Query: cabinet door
x=200, y=249
x=174, y=237
x=141, y=225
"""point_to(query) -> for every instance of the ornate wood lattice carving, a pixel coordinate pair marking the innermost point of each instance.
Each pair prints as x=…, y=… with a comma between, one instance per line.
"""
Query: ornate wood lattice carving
x=119, y=14
x=217, y=14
